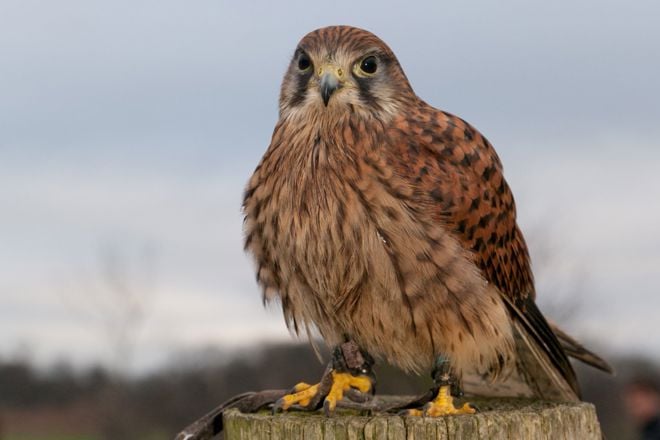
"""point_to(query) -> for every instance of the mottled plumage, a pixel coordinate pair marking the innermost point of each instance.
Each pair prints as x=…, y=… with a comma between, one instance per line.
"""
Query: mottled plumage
x=379, y=219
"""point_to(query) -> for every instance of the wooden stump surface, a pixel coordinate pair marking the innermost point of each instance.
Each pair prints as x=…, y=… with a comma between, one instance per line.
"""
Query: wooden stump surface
x=509, y=419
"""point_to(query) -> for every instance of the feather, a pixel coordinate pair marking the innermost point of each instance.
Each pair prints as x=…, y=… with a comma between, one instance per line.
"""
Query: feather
x=578, y=351
x=540, y=351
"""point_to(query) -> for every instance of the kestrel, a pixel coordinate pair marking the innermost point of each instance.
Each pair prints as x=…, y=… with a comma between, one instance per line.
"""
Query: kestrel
x=388, y=226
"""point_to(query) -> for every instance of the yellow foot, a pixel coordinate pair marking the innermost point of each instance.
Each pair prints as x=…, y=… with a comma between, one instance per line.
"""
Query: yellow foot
x=303, y=393
x=442, y=405
x=342, y=382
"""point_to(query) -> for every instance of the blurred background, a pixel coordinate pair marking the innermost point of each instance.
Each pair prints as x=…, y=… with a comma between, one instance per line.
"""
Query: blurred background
x=127, y=133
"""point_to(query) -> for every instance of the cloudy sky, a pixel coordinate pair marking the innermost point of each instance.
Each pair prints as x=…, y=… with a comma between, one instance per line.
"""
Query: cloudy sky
x=128, y=129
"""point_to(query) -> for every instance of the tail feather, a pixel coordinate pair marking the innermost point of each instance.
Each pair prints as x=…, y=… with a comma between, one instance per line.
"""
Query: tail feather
x=535, y=336
x=578, y=351
x=539, y=371
x=534, y=376
x=542, y=366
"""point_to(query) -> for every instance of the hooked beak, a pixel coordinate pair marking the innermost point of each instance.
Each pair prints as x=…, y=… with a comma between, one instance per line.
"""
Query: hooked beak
x=331, y=77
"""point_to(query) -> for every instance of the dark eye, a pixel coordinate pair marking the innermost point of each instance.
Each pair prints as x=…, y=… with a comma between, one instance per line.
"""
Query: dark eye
x=304, y=62
x=369, y=65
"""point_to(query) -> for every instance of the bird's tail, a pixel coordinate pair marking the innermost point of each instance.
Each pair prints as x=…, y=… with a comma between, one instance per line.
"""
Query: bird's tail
x=578, y=351
x=536, y=375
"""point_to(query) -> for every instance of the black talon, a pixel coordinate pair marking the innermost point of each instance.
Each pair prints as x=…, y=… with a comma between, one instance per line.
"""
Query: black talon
x=425, y=408
x=358, y=396
x=326, y=409
x=277, y=406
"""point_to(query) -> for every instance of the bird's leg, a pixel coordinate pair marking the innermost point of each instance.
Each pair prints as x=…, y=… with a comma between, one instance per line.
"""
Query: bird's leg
x=349, y=370
x=443, y=404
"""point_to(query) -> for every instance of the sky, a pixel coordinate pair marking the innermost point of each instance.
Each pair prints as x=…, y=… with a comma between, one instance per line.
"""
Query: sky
x=128, y=130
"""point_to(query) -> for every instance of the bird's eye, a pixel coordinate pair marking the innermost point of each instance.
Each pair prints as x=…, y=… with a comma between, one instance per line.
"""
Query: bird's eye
x=304, y=63
x=369, y=65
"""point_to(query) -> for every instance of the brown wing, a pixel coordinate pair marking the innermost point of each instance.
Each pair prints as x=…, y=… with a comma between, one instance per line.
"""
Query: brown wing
x=458, y=176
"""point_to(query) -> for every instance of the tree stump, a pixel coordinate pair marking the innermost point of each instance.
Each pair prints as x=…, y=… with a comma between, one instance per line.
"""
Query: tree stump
x=497, y=419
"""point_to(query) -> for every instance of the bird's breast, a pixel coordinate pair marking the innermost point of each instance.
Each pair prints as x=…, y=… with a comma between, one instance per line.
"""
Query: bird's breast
x=323, y=227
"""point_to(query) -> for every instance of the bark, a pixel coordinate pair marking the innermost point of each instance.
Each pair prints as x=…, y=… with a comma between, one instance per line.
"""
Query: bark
x=497, y=419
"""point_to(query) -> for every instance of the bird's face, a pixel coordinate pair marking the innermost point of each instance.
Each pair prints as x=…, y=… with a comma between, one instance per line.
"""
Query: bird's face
x=343, y=69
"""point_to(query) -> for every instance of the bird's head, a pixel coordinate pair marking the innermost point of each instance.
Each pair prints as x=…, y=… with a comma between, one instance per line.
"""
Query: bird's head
x=344, y=69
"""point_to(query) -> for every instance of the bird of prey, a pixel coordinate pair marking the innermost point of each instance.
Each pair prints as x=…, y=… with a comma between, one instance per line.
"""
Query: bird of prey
x=387, y=225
